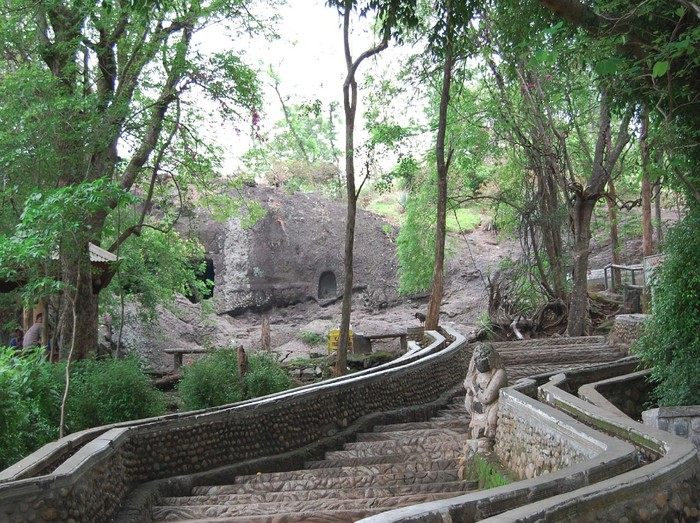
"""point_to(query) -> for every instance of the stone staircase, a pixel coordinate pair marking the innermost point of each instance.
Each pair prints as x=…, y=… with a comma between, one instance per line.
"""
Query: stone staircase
x=395, y=465
x=530, y=357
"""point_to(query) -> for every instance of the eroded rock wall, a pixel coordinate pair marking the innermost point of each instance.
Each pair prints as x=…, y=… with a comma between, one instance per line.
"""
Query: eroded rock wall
x=281, y=260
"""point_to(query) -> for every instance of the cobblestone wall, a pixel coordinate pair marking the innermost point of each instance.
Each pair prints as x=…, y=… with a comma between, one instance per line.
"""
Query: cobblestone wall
x=90, y=485
x=626, y=329
x=531, y=443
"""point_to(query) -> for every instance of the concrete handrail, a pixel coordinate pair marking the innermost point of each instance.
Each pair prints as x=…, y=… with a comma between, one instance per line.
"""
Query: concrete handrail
x=95, y=480
x=611, y=491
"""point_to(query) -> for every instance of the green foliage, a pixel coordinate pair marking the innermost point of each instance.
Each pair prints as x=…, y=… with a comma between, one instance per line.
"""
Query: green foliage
x=313, y=338
x=524, y=294
x=486, y=474
x=265, y=376
x=213, y=380
x=154, y=267
x=416, y=241
x=670, y=342
x=28, y=403
x=300, y=152
x=462, y=220
x=110, y=391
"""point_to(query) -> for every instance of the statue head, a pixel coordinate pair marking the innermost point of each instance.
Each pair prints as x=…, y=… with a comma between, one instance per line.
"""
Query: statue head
x=486, y=358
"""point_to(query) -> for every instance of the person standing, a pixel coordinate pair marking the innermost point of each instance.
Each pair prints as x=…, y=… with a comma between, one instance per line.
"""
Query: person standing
x=33, y=335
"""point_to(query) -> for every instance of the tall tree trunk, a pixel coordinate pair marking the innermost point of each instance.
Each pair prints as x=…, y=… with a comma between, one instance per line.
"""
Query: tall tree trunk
x=647, y=231
x=551, y=229
x=78, y=325
x=578, y=305
x=350, y=106
x=614, y=233
x=443, y=164
x=584, y=200
x=657, y=212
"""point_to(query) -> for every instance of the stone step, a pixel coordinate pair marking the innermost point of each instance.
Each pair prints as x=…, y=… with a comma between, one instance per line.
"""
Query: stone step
x=415, y=441
x=222, y=494
x=356, y=461
x=407, y=434
x=516, y=372
x=338, y=482
x=550, y=342
x=456, y=423
x=409, y=452
x=450, y=414
x=360, y=470
x=577, y=355
x=325, y=516
x=226, y=511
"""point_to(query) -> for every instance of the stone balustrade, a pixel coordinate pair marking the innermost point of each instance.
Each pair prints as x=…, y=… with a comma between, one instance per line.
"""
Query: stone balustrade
x=579, y=456
x=580, y=472
x=95, y=480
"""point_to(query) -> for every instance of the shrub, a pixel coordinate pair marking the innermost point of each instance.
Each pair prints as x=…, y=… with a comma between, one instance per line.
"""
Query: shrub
x=670, y=341
x=211, y=381
x=28, y=404
x=313, y=338
x=110, y=391
x=265, y=376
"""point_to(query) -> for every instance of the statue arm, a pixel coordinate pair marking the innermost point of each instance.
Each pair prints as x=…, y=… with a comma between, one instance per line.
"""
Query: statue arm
x=497, y=382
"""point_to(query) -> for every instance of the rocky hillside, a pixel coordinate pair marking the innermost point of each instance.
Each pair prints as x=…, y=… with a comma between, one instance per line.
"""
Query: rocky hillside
x=288, y=269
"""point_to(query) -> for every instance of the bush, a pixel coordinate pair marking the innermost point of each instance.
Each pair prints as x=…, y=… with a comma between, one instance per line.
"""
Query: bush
x=265, y=376
x=110, y=391
x=670, y=341
x=29, y=403
x=213, y=380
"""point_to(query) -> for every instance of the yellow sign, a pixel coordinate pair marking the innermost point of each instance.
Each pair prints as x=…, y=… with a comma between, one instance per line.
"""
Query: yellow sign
x=334, y=336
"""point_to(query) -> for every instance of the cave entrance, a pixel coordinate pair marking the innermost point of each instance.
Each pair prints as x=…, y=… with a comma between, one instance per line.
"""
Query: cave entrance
x=206, y=275
x=327, y=286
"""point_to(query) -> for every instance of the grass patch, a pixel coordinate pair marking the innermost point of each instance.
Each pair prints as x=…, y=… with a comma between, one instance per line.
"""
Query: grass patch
x=467, y=219
x=390, y=209
x=486, y=472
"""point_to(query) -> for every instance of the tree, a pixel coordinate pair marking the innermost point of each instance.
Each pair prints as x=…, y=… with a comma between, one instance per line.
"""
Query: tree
x=350, y=99
x=300, y=150
x=95, y=96
x=432, y=318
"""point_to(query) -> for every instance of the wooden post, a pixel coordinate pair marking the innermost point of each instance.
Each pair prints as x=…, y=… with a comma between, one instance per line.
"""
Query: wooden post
x=265, y=337
x=242, y=369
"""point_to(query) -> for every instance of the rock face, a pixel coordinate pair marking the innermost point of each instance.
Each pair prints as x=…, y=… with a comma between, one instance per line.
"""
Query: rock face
x=295, y=254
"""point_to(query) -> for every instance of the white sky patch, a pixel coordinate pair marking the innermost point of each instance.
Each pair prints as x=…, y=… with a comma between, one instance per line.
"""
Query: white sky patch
x=309, y=60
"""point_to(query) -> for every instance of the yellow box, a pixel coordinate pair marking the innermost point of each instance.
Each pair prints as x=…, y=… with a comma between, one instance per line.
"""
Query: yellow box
x=334, y=336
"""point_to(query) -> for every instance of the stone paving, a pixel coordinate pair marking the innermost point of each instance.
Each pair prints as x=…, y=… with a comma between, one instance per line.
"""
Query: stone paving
x=394, y=466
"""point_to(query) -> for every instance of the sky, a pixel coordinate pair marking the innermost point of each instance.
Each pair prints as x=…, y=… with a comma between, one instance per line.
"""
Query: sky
x=308, y=57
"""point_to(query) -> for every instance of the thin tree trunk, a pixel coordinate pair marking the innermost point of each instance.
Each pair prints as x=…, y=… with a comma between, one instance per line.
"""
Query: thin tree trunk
x=614, y=233
x=265, y=335
x=350, y=106
x=657, y=209
x=578, y=305
x=443, y=164
x=79, y=327
x=647, y=231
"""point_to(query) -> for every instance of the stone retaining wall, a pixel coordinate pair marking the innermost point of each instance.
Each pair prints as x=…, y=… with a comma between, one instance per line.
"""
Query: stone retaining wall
x=681, y=421
x=611, y=486
x=90, y=485
x=531, y=442
x=626, y=329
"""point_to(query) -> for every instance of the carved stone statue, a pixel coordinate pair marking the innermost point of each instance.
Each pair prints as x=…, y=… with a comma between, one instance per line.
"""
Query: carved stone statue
x=485, y=377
